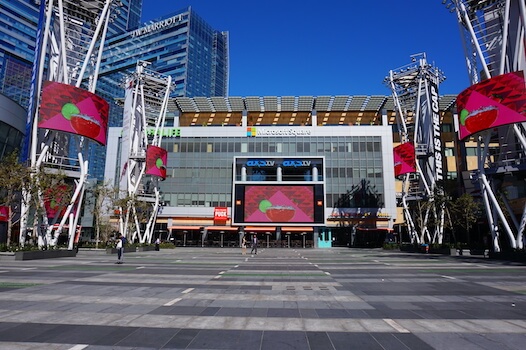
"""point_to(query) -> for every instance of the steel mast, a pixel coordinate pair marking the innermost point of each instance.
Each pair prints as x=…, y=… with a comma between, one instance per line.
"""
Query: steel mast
x=70, y=40
x=143, y=161
x=493, y=34
x=415, y=93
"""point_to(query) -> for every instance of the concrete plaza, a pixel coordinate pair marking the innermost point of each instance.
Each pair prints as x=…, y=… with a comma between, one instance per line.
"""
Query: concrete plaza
x=217, y=298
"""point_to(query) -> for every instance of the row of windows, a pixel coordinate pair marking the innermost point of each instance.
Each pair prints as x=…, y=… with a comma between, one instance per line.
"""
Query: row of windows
x=225, y=200
x=191, y=146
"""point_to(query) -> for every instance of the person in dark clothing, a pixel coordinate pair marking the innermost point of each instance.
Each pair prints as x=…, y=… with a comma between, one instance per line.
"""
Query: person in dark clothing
x=254, y=245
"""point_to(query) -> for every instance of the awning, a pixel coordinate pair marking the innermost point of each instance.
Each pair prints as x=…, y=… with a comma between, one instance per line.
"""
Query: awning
x=221, y=228
x=296, y=229
x=260, y=229
x=375, y=229
x=185, y=228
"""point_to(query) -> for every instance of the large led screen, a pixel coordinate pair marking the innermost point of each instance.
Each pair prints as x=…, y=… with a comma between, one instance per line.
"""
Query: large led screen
x=156, y=158
x=67, y=108
x=493, y=102
x=278, y=204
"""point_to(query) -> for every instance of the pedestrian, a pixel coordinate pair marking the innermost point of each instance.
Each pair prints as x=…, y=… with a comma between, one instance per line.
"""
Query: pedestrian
x=157, y=243
x=254, y=245
x=120, y=250
x=244, y=246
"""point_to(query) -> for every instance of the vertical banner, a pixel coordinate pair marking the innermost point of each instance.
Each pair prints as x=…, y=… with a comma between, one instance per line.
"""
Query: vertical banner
x=4, y=213
x=34, y=87
x=438, y=152
x=404, y=159
x=125, y=133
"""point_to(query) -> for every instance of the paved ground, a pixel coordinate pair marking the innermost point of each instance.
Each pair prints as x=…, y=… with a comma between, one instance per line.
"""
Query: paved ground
x=213, y=298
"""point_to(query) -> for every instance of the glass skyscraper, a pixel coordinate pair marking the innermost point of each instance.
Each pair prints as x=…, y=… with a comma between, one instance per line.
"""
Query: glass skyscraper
x=18, y=28
x=181, y=45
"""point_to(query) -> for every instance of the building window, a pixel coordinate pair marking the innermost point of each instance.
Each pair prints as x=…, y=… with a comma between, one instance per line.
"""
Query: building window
x=471, y=151
x=452, y=175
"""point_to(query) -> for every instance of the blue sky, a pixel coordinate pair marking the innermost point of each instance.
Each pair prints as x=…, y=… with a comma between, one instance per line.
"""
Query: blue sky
x=330, y=47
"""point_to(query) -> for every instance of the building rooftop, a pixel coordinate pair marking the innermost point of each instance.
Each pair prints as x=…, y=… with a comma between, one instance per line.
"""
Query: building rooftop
x=290, y=110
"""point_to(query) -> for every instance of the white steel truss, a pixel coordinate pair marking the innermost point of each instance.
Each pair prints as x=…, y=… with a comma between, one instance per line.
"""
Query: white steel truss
x=70, y=41
x=415, y=93
x=145, y=107
x=493, y=33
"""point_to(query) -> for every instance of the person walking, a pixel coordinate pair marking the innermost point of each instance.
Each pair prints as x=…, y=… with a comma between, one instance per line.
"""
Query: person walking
x=157, y=244
x=254, y=245
x=120, y=250
x=244, y=246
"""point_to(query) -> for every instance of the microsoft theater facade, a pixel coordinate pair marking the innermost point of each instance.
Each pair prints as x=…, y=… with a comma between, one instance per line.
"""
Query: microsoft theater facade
x=297, y=171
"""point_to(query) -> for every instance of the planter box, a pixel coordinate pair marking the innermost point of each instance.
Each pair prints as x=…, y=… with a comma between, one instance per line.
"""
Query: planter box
x=45, y=254
x=443, y=251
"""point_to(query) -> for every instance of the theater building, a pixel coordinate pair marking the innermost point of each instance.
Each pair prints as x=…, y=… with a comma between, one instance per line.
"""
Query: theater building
x=221, y=150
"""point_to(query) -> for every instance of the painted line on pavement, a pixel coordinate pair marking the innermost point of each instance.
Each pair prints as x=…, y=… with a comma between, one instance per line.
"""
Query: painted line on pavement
x=395, y=325
x=79, y=347
x=448, y=277
x=171, y=302
x=186, y=291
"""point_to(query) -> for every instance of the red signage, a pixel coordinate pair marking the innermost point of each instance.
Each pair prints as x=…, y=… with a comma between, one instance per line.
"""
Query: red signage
x=4, y=213
x=221, y=214
x=404, y=159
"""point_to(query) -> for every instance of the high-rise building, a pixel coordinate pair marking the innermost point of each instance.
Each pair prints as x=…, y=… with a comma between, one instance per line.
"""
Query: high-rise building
x=126, y=17
x=18, y=27
x=18, y=30
x=181, y=45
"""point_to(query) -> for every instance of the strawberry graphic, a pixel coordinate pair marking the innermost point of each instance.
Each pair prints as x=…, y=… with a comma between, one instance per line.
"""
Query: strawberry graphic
x=479, y=119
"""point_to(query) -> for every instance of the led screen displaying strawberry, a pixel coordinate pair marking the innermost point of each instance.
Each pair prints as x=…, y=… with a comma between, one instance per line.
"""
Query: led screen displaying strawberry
x=280, y=213
x=479, y=119
x=85, y=125
x=156, y=161
x=294, y=203
x=493, y=102
x=70, y=109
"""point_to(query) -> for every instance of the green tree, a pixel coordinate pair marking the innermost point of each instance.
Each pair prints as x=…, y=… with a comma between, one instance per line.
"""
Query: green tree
x=13, y=177
x=104, y=202
x=465, y=212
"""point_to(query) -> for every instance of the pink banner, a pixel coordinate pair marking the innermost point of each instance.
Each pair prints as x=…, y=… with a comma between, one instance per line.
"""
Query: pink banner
x=4, y=213
x=404, y=159
x=156, y=158
x=494, y=102
x=70, y=109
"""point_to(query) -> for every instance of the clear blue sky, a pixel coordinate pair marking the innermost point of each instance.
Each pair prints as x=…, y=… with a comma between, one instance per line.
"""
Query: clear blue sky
x=330, y=47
